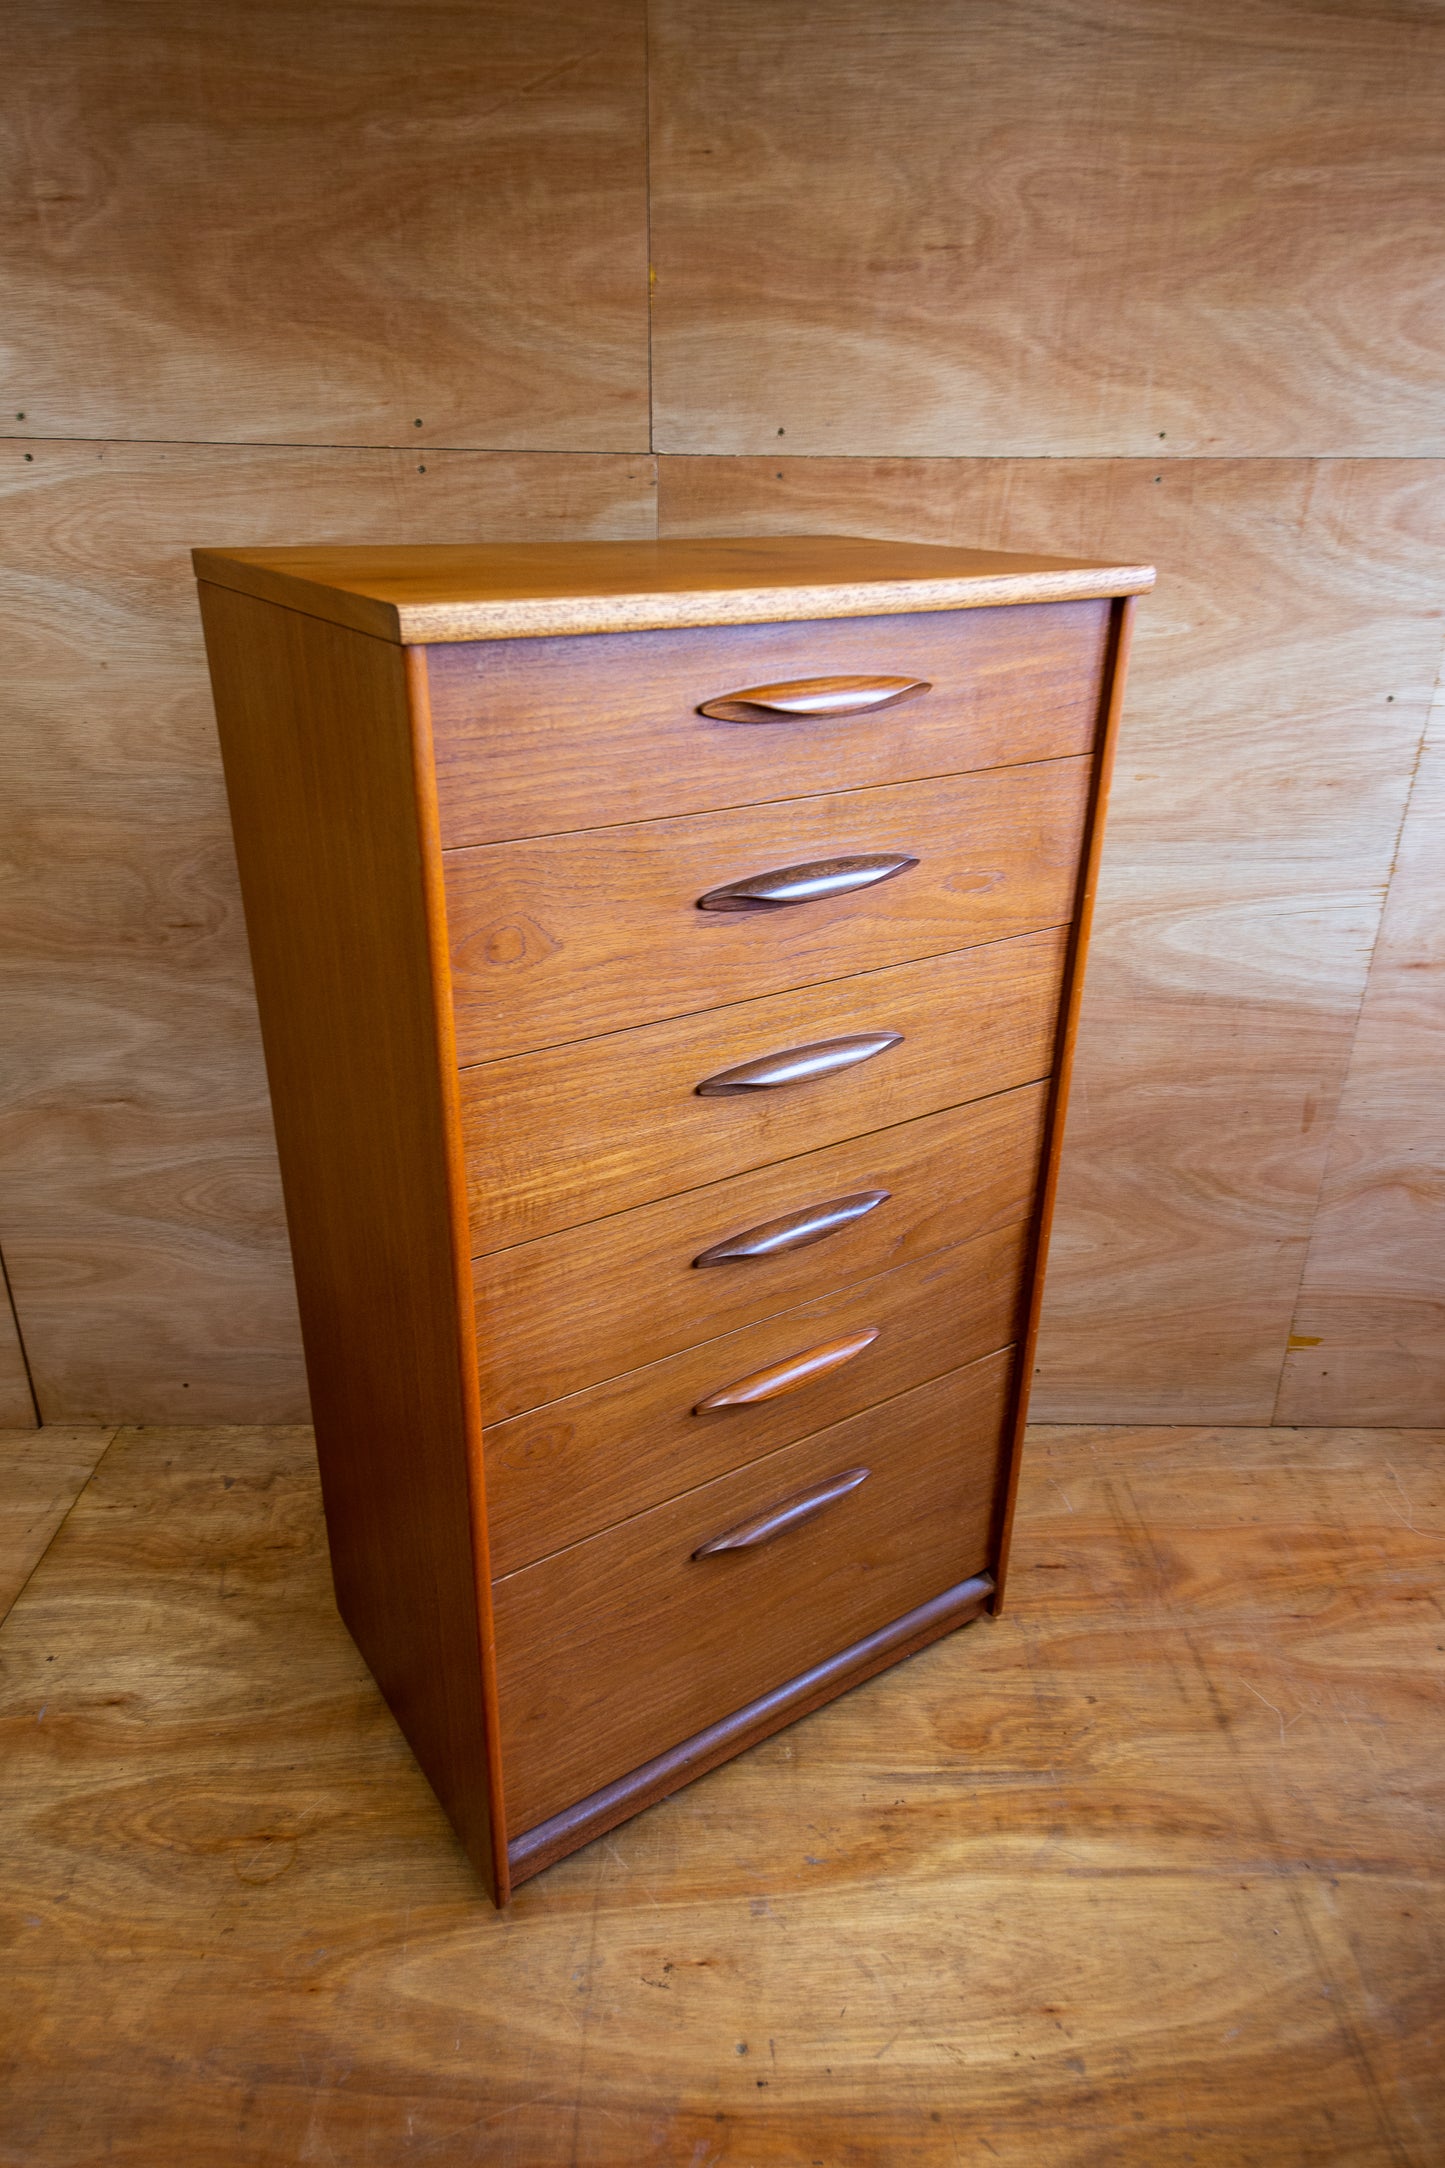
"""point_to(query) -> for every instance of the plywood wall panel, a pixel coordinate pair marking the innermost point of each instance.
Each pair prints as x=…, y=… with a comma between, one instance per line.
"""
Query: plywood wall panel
x=324, y=221
x=1282, y=674
x=139, y=1206
x=1142, y=227
x=1115, y=239
x=1369, y=1332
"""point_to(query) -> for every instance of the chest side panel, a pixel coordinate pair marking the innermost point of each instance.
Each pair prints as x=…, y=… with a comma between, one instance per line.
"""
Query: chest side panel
x=328, y=810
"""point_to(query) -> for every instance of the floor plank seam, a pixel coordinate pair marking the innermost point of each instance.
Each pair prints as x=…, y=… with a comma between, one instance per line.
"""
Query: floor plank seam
x=64, y=1520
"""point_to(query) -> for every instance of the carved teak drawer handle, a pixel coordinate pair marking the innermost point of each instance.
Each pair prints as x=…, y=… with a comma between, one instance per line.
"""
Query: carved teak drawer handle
x=806, y=884
x=785, y=1514
x=795, y=1230
x=799, y=1065
x=794, y=1371
x=808, y=699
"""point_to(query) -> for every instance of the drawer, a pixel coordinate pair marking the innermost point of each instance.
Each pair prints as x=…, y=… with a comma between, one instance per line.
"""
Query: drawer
x=582, y=1464
x=627, y=1644
x=571, y=1310
x=1006, y=685
x=582, y=934
x=576, y=1132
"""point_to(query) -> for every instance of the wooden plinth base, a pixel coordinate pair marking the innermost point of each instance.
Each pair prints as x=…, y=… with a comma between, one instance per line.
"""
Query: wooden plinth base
x=643, y=1787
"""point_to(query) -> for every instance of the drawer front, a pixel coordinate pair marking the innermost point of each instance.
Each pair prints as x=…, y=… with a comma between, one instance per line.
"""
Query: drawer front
x=576, y=1132
x=577, y=935
x=1006, y=685
x=571, y=1310
x=622, y=1646
x=566, y=1471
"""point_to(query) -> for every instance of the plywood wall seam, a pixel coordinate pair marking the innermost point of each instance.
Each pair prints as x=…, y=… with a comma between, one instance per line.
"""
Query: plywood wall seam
x=652, y=450
x=26, y=1379
x=315, y=444
x=647, y=233
x=114, y=1430
x=1036, y=459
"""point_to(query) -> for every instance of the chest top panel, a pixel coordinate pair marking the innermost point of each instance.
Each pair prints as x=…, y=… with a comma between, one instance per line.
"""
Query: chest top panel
x=509, y=590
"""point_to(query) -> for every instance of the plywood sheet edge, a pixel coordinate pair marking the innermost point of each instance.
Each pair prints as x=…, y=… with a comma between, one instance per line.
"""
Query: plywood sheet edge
x=650, y=609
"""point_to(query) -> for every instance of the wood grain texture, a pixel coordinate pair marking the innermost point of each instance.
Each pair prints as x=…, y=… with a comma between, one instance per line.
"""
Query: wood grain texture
x=141, y=1210
x=511, y=590
x=1368, y=1341
x=579, y=1132
x=566, y=1471
x=621, y=1647
x=571, y=936
x=344, y=224
x=327, y=766
x=1280, y=682
x=1014, y=685
x=41, y=1476
x=17, y=1402
x=1176, y=1819
x=557, y=1315
x=1036, y=231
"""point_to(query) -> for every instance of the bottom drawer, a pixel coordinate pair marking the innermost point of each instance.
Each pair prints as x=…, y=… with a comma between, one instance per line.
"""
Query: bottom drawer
x=612, y=1651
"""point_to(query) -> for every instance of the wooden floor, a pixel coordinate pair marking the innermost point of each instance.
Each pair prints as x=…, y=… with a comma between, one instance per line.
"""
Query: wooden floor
x=1148, y=1872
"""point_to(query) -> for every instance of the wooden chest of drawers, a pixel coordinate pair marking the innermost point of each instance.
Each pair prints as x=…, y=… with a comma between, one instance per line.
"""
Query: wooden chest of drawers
x=667, y=958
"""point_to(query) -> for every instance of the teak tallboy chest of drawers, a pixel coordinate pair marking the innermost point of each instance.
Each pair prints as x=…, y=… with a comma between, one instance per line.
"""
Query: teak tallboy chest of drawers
x=667, y=956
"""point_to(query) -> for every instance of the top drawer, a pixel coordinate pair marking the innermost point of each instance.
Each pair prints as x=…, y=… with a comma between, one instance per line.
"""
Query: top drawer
x=534, y=737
